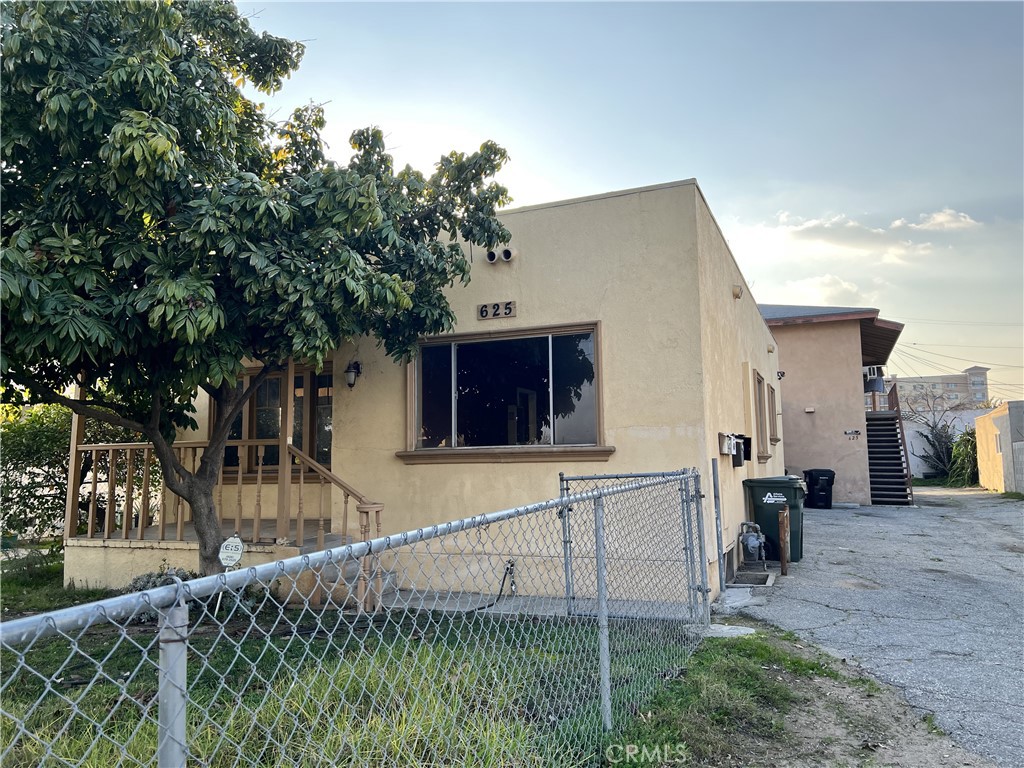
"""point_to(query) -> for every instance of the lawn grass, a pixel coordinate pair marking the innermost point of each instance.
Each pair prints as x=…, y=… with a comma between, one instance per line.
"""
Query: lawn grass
x=1012, y=495
x=731, y=686
x=34, y=583
x=294, y=687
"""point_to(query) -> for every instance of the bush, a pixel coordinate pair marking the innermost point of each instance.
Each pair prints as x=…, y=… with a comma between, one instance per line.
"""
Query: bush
x=964, y=466
x=35, y=452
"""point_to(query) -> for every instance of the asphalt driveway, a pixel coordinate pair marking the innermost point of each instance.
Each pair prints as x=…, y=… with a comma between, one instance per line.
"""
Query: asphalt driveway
x=929, y=599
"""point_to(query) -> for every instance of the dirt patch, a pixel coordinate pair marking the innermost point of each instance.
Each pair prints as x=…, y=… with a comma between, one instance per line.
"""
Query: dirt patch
x=844, y=719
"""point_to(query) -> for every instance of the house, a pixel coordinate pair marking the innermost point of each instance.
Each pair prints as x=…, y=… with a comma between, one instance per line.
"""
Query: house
x=1000, y=435
x=613, y=334
x=831, y=357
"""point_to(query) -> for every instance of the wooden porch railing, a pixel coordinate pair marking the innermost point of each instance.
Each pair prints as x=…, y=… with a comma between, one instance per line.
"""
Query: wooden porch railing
x=116, y=492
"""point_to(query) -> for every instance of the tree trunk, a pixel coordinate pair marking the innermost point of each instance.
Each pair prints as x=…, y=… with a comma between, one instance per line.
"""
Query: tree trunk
x=204, y=518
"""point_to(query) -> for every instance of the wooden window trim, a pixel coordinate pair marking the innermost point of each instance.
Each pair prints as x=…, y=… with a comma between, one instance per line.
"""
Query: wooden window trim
x=773, y=417
x=761, y=418
x=270, y=471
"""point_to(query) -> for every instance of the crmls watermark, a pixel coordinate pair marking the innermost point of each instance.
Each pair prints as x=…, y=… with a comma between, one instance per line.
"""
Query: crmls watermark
x=646, y=754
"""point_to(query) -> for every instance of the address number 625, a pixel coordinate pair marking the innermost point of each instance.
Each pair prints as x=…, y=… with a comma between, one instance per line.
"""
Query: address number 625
x=496, y=309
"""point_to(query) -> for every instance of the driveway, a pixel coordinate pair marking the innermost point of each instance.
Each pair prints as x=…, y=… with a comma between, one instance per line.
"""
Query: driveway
x=929, y=599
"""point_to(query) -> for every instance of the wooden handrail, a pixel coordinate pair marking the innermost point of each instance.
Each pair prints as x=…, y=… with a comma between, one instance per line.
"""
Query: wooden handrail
x=325, y=473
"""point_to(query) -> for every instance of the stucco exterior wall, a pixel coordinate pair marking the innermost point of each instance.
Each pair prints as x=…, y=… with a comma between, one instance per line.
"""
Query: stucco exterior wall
x=735, y=341
x=823, y=400
x=1000, y=435
x=108, y=563
x=625, y=260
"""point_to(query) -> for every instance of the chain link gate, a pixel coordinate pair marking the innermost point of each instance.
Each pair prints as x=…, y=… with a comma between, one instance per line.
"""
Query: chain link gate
x=522, y=637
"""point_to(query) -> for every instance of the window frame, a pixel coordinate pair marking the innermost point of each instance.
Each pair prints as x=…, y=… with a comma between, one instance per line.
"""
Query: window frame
x=760, y=414
x=599, y=451
x=773, y=417
x=247, y=456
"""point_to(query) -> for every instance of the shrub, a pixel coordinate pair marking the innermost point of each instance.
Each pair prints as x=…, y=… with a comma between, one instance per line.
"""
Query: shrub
x=964, y=466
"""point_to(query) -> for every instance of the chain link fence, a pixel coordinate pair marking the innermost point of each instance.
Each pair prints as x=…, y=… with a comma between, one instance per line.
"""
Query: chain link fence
x=521, y=637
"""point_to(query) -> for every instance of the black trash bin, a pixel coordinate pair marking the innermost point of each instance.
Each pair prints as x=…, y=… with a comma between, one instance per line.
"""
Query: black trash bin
x=767, y=495
x=819, y=488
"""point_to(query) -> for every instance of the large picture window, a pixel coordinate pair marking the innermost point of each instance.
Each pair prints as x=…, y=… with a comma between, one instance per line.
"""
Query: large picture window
x=525, y=391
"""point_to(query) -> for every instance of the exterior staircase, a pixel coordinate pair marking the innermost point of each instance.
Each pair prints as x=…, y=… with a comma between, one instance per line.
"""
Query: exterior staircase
x=888, y=465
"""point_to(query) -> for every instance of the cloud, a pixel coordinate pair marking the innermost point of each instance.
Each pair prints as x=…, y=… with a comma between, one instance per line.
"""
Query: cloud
x=941, y=221
x=828, y=290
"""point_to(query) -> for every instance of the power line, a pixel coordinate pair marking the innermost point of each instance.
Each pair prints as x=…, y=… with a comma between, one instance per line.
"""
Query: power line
x=968, y=346
x=936, y=321
x=969, y=360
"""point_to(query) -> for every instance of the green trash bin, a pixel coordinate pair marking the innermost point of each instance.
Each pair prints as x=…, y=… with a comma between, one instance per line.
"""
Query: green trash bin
x=767, y=495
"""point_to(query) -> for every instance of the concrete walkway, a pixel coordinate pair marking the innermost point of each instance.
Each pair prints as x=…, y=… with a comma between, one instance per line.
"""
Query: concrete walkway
x=930, y=599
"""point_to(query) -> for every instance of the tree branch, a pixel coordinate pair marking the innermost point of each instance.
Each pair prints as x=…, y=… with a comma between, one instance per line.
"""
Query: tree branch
x=86, y=408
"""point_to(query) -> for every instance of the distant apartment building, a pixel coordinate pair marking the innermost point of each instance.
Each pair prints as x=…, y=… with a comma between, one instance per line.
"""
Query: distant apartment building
x=938, y=393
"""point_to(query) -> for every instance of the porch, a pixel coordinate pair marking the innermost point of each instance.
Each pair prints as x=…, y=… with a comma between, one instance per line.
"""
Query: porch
x=121, y=521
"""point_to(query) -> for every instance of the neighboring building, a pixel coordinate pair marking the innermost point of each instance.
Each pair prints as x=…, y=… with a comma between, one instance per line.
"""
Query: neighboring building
x=615, y=334
x=824, y=353
x=942, y=392
x=1000, y=434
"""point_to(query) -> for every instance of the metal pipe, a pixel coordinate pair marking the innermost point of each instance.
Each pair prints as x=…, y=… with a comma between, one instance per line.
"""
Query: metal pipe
x=604, y=647
x=171, y=690
x=691, y=567
x=718, y=525
x=564, y=513
x=701, y=548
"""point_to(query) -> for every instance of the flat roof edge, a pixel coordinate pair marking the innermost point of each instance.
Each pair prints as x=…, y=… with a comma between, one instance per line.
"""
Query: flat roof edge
x=601, y=196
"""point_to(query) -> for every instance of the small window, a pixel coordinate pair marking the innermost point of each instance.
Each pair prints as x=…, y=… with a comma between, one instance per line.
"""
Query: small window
x=762, y=420
x=499, y=393
x=773, y=416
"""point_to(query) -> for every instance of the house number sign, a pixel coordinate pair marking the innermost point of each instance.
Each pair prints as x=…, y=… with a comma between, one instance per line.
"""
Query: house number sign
x=496, y=309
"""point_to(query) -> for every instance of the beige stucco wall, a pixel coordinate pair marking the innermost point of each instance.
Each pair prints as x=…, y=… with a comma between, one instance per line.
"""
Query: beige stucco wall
x=675, y=349
x=99, y=563
x=822, y=363
x=1000, y=435
x=734, y=342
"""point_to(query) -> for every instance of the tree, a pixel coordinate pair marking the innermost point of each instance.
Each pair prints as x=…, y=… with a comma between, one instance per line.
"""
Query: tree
x=34, y=466
x=938, y=416
x=158, y=228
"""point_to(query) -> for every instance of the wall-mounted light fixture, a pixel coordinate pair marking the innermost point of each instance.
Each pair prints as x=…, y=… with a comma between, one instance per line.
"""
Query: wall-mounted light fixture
x=781, y=375
x=737, y=291
x=353, y=371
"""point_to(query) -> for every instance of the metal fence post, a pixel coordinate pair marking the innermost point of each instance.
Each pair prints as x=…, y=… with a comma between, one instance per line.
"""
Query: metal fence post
x=701, y=547
x=171, y=747
x=691, y=566
x=564, y=513
x=604, y=649
x=718, y=526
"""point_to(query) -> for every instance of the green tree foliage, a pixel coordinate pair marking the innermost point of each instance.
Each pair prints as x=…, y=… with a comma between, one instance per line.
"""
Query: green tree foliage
x=34, y=461
x=158, y=228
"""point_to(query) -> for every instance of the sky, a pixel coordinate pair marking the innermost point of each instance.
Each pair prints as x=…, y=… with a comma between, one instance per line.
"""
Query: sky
x=854, y=154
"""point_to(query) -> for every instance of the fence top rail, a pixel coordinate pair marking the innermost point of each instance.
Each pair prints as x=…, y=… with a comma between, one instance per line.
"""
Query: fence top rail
x=629, y=476
x=20, y=632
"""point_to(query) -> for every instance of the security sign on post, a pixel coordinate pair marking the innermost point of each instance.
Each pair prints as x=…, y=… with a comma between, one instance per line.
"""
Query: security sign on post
x=231, y=551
